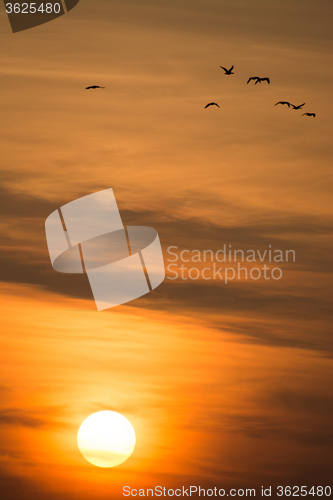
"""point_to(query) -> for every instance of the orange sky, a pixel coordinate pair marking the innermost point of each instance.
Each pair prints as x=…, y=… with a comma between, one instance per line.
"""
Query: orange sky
x=225, y=385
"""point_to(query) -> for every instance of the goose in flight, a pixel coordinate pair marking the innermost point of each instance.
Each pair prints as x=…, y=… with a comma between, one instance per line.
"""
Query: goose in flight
x=298, y=107
x=212, y=104
x=258, y=79
x=309, y=114
x=94, y=87
x=228, y=71
x=283, y=102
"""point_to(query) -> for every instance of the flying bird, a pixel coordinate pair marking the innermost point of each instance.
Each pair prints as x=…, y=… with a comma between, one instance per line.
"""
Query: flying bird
x=283, y=102
x=228, y=71
x=263, y=80
x=212, y=104
x=94, y=87
x=258, y=79
x=253, y=78
x=309, y=114
x=298, y=107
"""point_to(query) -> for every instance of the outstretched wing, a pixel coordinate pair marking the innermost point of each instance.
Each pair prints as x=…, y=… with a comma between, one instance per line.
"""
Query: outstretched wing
x=252, y=78
x=265, y=80
x=232, y=67
x=212, y=104
x=298, y=107
x=283, y=102
x=225, y=69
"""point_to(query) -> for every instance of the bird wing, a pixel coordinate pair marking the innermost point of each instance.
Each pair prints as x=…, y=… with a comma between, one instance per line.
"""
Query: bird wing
x=225, y=69
x=252, y=78
x=265, y=80
x=301, y=105
x=232, y=67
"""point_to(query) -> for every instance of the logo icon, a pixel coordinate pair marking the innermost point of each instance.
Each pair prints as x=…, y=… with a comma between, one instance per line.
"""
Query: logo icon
x=88, y=236
x=24, y=15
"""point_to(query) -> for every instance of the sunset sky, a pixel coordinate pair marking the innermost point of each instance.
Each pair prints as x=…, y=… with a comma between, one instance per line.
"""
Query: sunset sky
x=226, y=385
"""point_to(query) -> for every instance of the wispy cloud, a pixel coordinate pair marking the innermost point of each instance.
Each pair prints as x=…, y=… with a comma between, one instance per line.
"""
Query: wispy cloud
x=34, y=419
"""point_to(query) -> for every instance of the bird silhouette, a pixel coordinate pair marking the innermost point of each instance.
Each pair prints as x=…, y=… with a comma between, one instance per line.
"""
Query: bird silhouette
x=253, y=78
x=212, y=104
x=309, y=114
x=228, y=71
x=258, y=79
x=298, y=107
x=283, y=102
x=94, y=87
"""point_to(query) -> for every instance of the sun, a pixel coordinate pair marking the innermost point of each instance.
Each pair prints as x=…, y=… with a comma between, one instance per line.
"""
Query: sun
x=106, y=439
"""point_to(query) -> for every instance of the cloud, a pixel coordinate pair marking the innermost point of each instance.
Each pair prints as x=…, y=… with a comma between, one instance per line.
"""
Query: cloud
x=33, y=419
x=300, y=299
x=273, y=427
x=16, y=486
x=20, y=418
x=304, y=402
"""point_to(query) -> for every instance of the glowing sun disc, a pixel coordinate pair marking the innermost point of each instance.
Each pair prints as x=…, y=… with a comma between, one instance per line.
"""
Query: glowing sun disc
x=106, y=439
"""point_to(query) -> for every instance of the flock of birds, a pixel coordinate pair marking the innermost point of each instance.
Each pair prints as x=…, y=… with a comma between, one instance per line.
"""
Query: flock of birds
x=257, y=79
